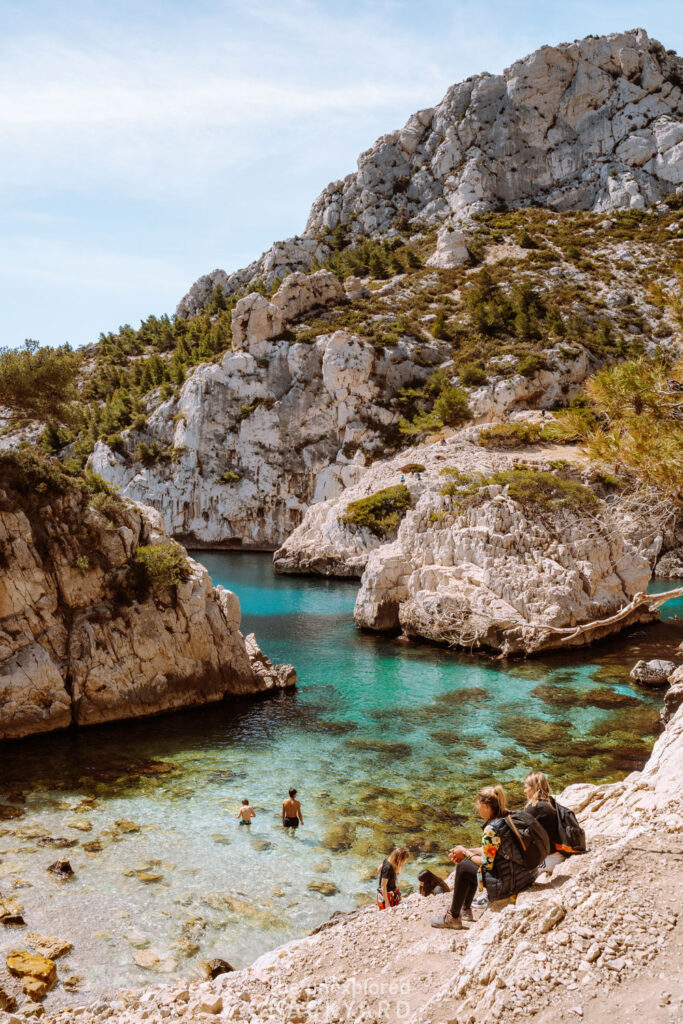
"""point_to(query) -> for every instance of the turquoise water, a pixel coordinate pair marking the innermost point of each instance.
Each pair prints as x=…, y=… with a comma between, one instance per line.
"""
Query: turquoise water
x=386, y=743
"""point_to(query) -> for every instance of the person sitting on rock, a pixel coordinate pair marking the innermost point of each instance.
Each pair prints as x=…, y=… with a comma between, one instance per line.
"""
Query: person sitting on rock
x=246, y=813
x=541, y=804
x=388, y=893
x=482, y=867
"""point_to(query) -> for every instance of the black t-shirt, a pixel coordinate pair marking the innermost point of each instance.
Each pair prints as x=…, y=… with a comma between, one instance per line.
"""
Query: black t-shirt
x=389, y=873
x=546, y=814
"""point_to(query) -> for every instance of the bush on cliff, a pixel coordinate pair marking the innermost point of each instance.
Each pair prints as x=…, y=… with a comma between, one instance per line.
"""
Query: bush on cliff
x=165, y=565
x=380, y=513
x=641, y=431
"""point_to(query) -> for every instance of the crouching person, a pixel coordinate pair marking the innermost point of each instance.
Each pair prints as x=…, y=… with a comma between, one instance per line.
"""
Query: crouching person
x=495, y=866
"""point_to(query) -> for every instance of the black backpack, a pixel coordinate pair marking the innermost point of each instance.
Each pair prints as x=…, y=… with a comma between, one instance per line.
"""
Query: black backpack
x=524, y=841
x=572, y=836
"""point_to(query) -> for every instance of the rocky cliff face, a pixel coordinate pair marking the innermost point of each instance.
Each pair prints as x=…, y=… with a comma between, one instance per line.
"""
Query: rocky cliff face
x=86, y=634
x=276, y=425
x=487, y=555
x=596, y=124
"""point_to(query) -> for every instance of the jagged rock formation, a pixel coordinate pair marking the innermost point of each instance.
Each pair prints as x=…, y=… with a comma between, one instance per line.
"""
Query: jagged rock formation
x=574, y=948
x=84, y=638
x=594, y=124
x=284, y=419
x=488, y=572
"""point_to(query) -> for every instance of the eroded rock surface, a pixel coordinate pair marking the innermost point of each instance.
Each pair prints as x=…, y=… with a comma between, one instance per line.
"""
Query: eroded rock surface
x=594, y=124
x=255, y=441
x=478, y=569
x=85, y=639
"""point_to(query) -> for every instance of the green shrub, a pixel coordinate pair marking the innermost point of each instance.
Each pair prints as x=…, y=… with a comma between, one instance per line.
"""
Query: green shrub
x=229, y=477
x=452, y=407
x=413, y=467
x=472, y=376
x=80, y=562
x=148, y=454
x=380, y=513
x=525, y=241
x=110, y=505
x=532, y=487
x=530, y=365
x=165, y=565
x=509, y=435
x=675, y=201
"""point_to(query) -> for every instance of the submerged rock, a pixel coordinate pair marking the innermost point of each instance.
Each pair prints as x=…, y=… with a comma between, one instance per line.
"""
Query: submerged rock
x=62, y=868
x=48, y=945
x=323, y=886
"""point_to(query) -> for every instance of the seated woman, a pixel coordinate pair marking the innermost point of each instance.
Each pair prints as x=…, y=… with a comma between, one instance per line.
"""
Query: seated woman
x=500, y=876
x=541, y=804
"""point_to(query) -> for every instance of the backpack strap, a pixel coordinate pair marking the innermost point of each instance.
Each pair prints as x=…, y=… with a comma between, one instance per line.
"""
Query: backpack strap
x=514, y=829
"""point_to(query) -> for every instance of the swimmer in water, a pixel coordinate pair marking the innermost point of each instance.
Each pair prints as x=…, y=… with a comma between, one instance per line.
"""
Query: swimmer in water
x=245, y=813
x=291, y=811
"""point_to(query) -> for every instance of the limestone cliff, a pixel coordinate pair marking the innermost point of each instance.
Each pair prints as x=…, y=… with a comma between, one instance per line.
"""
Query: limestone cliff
x=594, y=124
x=254, y=439
x=486, y=555
x=87, y=633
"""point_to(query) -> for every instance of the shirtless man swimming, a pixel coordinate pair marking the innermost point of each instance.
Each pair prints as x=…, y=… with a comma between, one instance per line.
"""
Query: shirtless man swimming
x=291, y=811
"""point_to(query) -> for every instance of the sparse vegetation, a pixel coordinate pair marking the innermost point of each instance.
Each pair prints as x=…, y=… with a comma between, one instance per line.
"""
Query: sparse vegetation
x=165, y=565
x=640, y=405
x=229, y=477
x=380, y=513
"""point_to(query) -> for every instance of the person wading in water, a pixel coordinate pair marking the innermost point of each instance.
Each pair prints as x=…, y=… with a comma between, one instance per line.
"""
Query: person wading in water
x=291, y=811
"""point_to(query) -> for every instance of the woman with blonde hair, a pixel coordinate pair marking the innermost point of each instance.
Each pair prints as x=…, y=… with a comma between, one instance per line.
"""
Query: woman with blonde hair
x=489, y=866
x=388, y=893
x=541, y=804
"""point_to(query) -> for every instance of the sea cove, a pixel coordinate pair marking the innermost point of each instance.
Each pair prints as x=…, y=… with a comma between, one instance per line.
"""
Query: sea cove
x=385, y=742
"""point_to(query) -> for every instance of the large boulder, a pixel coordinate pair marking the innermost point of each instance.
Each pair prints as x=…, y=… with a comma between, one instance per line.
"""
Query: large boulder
x=653, y=673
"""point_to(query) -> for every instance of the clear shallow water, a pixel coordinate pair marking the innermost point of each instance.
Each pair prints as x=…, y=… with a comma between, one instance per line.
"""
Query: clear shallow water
x=386, y=743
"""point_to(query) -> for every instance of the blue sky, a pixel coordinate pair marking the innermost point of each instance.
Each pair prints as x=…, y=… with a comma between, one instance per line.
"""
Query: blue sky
x=143, y=144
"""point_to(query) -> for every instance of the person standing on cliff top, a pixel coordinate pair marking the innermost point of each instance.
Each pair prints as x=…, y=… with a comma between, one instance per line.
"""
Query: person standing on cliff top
x=291, y=811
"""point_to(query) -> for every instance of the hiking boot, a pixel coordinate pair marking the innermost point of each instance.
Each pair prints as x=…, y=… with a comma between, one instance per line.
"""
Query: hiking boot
x=447, y=921
x=467, y=915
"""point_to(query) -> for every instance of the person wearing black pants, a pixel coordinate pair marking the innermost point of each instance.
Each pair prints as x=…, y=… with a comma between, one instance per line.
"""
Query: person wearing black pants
x=464, y=889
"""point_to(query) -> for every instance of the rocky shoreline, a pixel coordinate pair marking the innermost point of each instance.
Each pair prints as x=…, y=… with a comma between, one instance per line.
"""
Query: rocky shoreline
x=104, y=616
x=602, y=925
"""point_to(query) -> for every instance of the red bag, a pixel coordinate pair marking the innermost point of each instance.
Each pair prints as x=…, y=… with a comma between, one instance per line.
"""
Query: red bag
x=393, y=898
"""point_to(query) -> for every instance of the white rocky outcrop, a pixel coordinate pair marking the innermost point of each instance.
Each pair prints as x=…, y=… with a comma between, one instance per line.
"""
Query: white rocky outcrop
x=290, y=426
x=593, y=124
x=563, y=370
x=494, y=572
x=283, y=258
x=451, y=248
x=84, y=640
x=255, y=319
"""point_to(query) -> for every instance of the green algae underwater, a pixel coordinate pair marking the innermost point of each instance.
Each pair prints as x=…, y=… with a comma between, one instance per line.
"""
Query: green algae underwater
x=387, y=743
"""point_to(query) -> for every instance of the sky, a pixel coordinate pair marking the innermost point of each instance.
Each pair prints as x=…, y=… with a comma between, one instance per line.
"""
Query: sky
x=144, y=143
